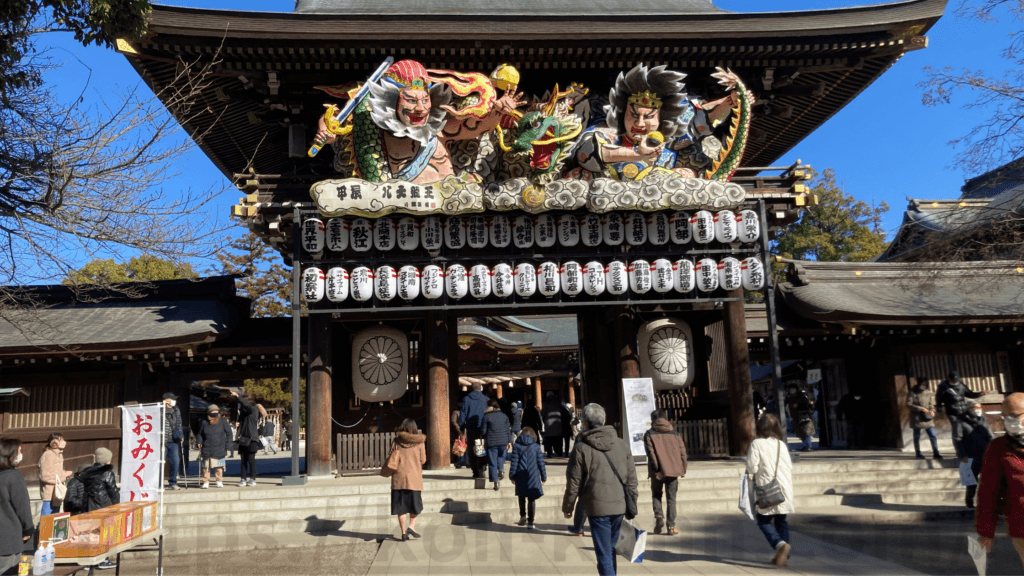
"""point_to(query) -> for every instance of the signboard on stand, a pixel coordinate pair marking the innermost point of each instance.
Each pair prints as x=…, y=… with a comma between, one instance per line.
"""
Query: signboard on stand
x=638, y=399
x=142, y=452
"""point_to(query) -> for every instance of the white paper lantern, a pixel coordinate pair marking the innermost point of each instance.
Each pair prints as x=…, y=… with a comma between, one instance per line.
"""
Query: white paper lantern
x=337, y=284
x=706, y=272
x=615, y=278
x=639, y=276
x=522, y=232
x=590, y=230
x=431, y=234
x=476, y=232
x=384, y=234
x=361, y=235
x=456, y=282
x=408, y=283
x=679, y=224
x=613, y=229
x=337, y=235
x=593, y=278
x=500, y=231
x=547, y=279
x=313, y=235
x=432, y=280
x=385, y=283
x=480, y=281
x=454, y=233
x=408, y=233
x=571, y=278
x=380, y=364
x=662, y=278
x=636, y=229
x=749, y=227
x=312, y=284
x=665, y=349
x=568, y=230
x=725, y=226
x=361, y=284
x=685, y=280
x=501, y=280
x=753, y=273
x=702, y=227
x=547, y=232
x=525, y=277
x=657, y=228
x=729, y=277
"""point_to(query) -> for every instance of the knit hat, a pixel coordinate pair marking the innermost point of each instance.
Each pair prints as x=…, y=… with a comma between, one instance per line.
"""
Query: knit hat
x=103, y=456
x=212, y=408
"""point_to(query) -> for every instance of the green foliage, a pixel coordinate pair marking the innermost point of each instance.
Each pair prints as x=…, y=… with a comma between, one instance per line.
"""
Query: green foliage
x=139, y=269
x=274, y=392
x=839, y=228
x=265, y=281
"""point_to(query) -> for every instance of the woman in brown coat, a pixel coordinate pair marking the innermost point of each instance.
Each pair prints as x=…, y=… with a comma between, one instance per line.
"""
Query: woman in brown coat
x=407, y=481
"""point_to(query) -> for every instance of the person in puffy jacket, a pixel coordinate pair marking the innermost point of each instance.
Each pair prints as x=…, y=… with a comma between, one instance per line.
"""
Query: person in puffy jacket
x=213, y=439
x=16, y=528
x=497, y=433
x=99, y=481
x=51, y=469
x=528, y=474
x=407, y=480
x=666, y=464
x=76, y=501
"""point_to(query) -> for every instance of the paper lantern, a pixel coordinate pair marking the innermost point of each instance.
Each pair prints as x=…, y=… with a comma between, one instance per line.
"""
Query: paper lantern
x=500, y=231
x=568, y=230
x=612, y=229
x=749, y=227
x=337, y=235
x=658, y=229
x=591, y=230
x=753, y=273
x=546, y=231
x=360, y=236
x=408, y=283
x=525, y=277
x=639, y=276
x=571, y=278
x=454, y=233
x=432, y=280
x=312, y=284
x=685, y=280
x=476, y=232
x=615, y=280
x=431, y=234
x=725, y=226
x=679, y=224
x=547, y=279
x=380, y=364
x=636, y=229
x=361, y=284
x=408, y=233
x=313, y=236
x=480, y=281
x=522, y=232
x=385, y=283
x=384, y=234
x=702, y=227
x=593, y=278
x=337, y=284
x=662, y=277
x=706, y=272
x=729, y=277
x=456, y=284
x=665, y=348
x=501, y=280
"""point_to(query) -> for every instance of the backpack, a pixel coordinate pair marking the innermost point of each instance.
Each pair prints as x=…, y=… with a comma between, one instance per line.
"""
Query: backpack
x=74, y=499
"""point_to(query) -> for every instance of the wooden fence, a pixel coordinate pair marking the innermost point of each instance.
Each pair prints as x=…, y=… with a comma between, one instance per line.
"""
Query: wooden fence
x=704, y=438
x=357, y=452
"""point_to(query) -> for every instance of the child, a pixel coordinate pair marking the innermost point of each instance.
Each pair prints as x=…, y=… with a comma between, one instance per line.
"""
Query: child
x=528, y=474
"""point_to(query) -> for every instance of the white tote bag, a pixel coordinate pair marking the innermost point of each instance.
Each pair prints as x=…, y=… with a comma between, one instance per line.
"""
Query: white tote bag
x=746, y=498
x=632, y=542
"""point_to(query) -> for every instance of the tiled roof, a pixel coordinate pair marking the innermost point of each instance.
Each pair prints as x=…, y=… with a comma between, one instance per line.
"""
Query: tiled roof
x=508, y=7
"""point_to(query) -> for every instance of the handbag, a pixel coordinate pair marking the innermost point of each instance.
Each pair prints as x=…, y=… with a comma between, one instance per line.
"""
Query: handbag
x=390, y=466
x=770, y=495
x=631, y=510
x=459, y=447
x=479, y=448
x=60, y=490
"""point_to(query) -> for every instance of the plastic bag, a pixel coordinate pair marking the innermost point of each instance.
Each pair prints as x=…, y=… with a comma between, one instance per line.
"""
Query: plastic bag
x=459, y=447
x=746, y=504
x=966, y=474
x=631, y=543
x=977, y=553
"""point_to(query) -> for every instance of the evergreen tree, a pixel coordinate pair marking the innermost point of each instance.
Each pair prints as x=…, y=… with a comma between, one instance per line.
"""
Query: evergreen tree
x=265, y=281
x=145, y=268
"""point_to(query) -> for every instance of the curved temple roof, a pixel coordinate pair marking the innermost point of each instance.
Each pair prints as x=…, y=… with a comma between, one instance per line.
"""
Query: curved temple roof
x=507, y=7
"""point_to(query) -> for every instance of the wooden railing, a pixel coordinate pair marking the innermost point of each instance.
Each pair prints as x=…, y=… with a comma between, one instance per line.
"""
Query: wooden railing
x=704, y=438
x=358, y=452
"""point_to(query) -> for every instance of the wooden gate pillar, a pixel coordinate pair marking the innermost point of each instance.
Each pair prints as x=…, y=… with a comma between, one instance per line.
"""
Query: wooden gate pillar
x=438, y=414
x=741, y=390
x=319, y=385
x=572, y=393
x=537, y=393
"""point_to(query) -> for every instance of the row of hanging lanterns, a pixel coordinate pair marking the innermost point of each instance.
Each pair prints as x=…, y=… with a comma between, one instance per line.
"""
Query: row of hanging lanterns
x=544, y=231
x=525, y=280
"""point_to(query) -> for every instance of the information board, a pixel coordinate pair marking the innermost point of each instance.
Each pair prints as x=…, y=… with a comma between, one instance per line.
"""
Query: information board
x=638, y=396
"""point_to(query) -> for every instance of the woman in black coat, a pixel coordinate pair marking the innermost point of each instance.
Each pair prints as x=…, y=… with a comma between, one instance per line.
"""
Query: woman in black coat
x=248, y=436
x=213, y=440
x=16, y=526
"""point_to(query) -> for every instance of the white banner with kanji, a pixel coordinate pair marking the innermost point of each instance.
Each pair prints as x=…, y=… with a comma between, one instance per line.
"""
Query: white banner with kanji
x=142, y=452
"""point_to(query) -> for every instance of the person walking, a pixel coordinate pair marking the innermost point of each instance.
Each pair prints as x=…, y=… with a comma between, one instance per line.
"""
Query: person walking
x=666, y=464
x=801, y=412
x=470, y=423
x=552, y=411
x=599, y=475
x=1001, y=485
x=173, y=435
x=407, y=481
x=16, y=527
x=976, y=437
x=51, y=469
x=952, y=395
x=921, y=402
x=213, y=439
x=248, y=437
x=766, y=463
x=267, y=435
x=854, y=408
x=517, y=420
x=286, y=444
x=568, y=415
x=497, y=433
x=533, y=419
x=528, y=474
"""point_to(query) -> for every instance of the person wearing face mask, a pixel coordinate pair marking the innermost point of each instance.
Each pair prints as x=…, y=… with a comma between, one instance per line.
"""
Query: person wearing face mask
x=976, y=438
x=953, y=395
x=1001, y=486
x=51, y=469
x=921, y=403
x=854, y=408
x=173, y=435
x=16, y=526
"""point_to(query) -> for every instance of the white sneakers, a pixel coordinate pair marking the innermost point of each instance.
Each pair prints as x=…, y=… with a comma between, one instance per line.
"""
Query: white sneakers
x=220, y=484
x=252, y=481
x=204, y=485
x=241, y=483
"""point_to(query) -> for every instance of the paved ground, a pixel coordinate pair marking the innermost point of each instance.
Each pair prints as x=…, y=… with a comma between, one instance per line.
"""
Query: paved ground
x=349, y=559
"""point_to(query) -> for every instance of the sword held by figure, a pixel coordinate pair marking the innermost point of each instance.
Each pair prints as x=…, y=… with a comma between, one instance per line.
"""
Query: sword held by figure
x=335, y=119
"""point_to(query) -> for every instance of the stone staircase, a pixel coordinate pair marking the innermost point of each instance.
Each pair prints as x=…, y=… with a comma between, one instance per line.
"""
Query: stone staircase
x=275, y=515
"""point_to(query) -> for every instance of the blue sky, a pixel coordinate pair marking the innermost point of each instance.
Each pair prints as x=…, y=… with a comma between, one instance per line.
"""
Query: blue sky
x=885, y=146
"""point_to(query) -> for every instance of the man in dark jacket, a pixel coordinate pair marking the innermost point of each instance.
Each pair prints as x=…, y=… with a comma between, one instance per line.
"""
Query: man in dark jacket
x=976, y=437
x=213, y=439
x=666, y=464
x=801, y=411
x=471, y=421
x=854, y=408
x=497, y=434
x=552, y=411
x=99, y=481
x=16, y=526
x=952, y=395
x=600, y=459
x=173, y=435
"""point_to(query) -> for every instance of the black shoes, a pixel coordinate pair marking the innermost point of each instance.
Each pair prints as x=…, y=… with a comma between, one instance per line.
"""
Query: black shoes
x=411, y=532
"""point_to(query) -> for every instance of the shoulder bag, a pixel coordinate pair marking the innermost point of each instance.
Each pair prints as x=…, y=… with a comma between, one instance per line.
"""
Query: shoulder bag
x=60, y=490
x=770, y=495
x=631, y=510
x=390, y=466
